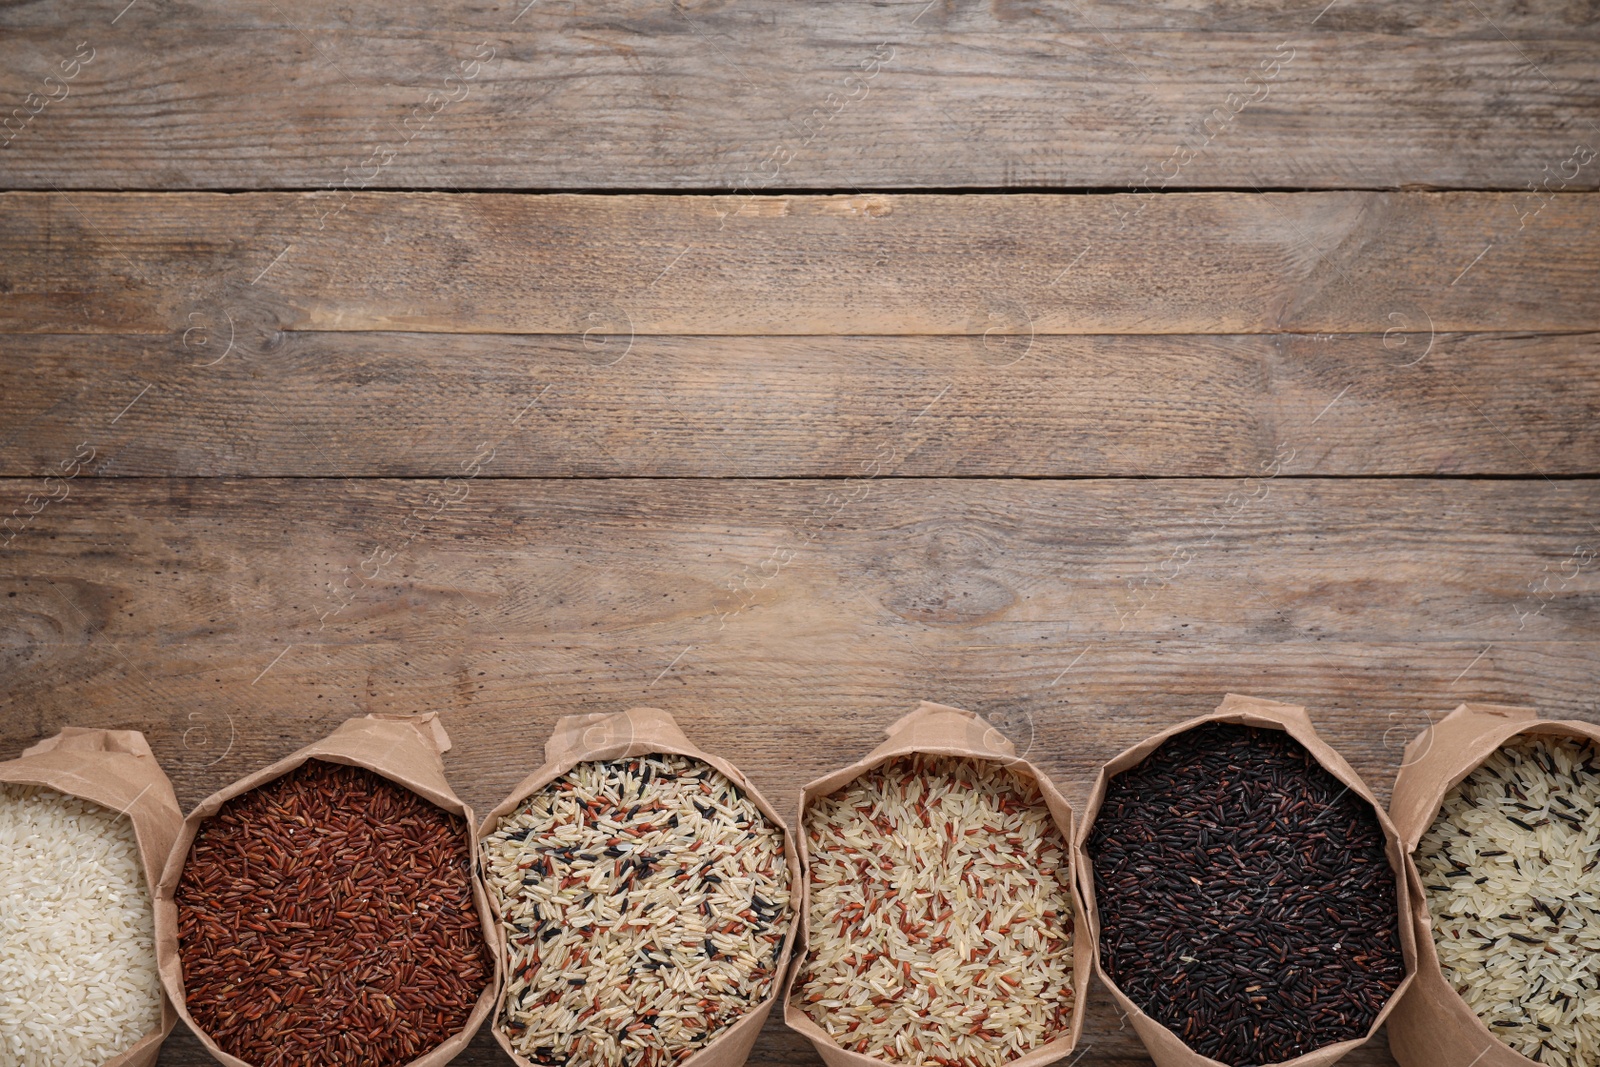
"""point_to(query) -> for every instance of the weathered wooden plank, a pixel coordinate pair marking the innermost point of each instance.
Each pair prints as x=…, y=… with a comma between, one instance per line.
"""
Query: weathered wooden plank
x=329, y=404
x=895, y=264
x=199, y=611
x=1519, y=20
x=175, y=607
x=772, y=96
x=790, y=620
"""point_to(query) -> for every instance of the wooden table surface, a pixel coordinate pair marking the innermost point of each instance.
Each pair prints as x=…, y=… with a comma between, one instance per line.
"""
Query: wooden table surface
x=781, y=365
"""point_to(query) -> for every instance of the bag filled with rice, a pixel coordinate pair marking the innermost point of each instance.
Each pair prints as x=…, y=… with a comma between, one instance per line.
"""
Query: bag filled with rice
x=87, y=818
x=1501, y=812
x=324, y=911
x=644, y=895
x=942, y=922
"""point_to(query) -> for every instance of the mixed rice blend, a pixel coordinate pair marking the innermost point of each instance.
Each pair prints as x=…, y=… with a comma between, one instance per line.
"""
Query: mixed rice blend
x=646, y=904
x=1510, y=871
x=940, y=915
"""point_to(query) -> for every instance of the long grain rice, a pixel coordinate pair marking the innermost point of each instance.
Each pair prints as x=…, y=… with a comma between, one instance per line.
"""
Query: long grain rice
x=1509, y=867
x=940, y=915
x=645, y=904
x=1246, y=898
x=78, y=980
x=326, y=919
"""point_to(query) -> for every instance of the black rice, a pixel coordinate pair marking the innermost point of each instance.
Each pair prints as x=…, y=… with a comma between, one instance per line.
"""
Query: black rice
x=1245, y=898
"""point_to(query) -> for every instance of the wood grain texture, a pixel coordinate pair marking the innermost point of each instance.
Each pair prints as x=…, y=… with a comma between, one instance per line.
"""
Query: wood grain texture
x=772, y=96
x=789, y=619
x=787, y=622
x=893, y=264
x=414, y=405
x=785, y=465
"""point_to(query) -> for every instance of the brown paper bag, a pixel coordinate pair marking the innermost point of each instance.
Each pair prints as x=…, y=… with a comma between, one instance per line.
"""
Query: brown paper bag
x=642, y=732
x=937, y=729
x=1433, y=1026
x=1166, y=1047
x=115, y=769
x=406, y=749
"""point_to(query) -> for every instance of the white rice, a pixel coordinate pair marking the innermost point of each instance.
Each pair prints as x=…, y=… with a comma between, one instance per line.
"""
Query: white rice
x=78, y=981
x=1510, y=870
x=940, y=915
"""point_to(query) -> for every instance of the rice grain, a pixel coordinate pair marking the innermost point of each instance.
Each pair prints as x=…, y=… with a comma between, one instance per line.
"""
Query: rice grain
x=645, y=903
x=78, y=979
x=326, y=919
x=1246, y=897
x=941, y=927
x=1509, y=867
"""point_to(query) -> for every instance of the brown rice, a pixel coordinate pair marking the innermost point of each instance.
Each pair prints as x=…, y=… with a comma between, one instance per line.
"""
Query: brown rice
x=940, y=914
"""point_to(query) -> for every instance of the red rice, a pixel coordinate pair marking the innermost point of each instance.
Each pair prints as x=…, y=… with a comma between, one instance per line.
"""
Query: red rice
x=327, y=918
